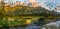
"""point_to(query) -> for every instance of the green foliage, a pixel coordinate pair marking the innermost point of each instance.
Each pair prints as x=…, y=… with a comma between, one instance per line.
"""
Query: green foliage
x=20, y=11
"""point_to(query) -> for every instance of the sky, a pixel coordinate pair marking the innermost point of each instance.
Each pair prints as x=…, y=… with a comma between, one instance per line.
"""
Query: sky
x=51, y=3
x=54, y=1
x=40, y=1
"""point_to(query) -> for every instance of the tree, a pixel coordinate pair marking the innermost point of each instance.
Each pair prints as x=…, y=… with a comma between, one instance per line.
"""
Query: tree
x=1, y=13
x=2, y=9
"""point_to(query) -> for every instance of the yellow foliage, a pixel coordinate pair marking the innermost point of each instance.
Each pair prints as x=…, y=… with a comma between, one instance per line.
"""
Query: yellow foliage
x=28, y=21
x=17, y=7
x=28, y=8
x=12, y=9
x=50, y=16
x=7, y=8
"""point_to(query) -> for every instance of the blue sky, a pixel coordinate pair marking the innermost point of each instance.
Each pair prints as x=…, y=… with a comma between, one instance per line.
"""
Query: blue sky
x=44, y=2
x=40, y=1
x=55, y=1
x=52, y=2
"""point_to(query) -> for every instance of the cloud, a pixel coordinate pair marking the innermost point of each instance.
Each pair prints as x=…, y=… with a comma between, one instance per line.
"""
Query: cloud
x=1, y=0
x=32, y=1
x=41, y=2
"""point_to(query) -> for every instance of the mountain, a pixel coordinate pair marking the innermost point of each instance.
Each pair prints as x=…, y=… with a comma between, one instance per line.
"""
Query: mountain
x=26, y=10
x=49, y=5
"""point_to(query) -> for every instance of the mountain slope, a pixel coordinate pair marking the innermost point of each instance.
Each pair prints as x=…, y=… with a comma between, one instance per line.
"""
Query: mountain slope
x=26, y=10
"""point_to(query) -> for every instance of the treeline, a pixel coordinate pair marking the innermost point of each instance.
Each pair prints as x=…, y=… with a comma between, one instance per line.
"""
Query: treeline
x=24, y=10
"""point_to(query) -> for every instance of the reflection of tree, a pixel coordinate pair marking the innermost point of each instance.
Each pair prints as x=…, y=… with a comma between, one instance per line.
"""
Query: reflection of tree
x=40, y=22
x=5, y=23
x=1, y=13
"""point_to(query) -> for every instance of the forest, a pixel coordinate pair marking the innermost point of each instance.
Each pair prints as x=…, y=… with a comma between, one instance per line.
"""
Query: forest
x=19, y=15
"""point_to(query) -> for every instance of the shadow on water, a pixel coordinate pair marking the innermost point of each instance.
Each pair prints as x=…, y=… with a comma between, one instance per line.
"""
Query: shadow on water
x=15, y=27
x=22, y=27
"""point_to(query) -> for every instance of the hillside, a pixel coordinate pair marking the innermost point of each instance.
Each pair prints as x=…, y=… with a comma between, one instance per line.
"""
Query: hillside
x=26, y=10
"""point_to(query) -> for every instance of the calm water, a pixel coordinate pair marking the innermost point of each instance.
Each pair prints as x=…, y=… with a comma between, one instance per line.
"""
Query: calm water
x=32, y=26
x=27, y=27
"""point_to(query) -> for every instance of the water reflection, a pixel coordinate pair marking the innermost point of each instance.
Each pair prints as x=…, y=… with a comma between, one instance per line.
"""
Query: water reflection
x=52, y=25
x=27, y=27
